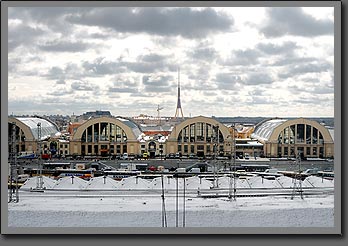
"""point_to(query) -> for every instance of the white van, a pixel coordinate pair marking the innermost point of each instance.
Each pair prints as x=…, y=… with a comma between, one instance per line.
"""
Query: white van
x=195, y=170
x=181, y=170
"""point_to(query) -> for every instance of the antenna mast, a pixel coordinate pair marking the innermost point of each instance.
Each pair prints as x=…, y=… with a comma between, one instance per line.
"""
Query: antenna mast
x=178, y=105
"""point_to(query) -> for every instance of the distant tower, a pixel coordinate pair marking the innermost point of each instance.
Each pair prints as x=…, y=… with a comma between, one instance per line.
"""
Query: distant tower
x=178, y=106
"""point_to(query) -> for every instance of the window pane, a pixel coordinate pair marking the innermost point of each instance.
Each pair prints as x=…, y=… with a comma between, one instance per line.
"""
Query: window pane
x=300, y=133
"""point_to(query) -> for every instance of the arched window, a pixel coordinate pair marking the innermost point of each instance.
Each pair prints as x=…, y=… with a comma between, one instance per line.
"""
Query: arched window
x=104, y=131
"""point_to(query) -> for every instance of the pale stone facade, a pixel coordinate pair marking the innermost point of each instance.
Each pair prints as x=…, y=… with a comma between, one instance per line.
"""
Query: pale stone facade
x=290, y=138
x=105, y=136
x=198, y=135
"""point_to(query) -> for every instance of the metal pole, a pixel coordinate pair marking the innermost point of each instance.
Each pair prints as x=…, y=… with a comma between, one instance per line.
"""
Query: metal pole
x=39, y=171
x=164, y=216
x=177, y=203
x=230, y=177
x=13, y=194
x=234, y=162
x=218, y=150
x=299, y=171
x=183, y=214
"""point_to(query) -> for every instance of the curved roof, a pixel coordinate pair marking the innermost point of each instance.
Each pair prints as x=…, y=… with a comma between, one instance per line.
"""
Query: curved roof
x=269, y=130
x=176, y=130
x=132, y=125
x=131, y=129
x=264, y=130
x=48, y=129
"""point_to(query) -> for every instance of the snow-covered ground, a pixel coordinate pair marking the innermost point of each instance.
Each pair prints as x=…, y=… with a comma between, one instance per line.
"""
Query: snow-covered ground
x=134, y=202
x=144, y=209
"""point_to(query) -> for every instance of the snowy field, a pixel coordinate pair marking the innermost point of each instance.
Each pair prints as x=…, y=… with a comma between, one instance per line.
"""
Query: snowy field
x=79, y=204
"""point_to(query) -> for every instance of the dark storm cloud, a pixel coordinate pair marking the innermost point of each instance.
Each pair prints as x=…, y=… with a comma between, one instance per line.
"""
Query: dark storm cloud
x=185, y=22
x=294, y=21
x=64, y=46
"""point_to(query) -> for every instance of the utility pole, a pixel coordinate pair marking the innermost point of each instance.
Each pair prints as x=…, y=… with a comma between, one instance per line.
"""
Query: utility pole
x=39, y=182
x=234, y=162
x=183, y=214
x=233, y=158
x=164, y=215
x=177, y=202
x=13, y=193
x=298, y=180
x=216, y=182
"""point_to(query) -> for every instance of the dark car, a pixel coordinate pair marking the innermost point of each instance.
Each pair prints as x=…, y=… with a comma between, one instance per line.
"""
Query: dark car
x=171, y=156
x=193, y=156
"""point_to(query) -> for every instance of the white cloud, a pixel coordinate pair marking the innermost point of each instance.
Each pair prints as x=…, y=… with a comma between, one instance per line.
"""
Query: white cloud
x=233, y=61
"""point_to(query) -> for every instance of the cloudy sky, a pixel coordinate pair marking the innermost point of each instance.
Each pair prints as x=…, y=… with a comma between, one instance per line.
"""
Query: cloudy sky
x=233, y=61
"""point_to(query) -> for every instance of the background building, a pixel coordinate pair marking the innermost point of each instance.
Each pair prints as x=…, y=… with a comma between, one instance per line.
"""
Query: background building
x=27, y=133
x=105, y=136
x=289, y=138
x=200, y=135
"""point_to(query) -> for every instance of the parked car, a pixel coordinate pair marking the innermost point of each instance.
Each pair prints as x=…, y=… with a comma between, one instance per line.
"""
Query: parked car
x=193, y=156
x=125, y=156
x=171, y=156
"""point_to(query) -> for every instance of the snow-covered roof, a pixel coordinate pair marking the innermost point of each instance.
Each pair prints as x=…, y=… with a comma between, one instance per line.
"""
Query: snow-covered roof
x=102, y=182
x=265, y=129
x=156, y=127
x=332, y=133
x=70, y=182
x=31, y=183
x=47, y=128
x=131, y=124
